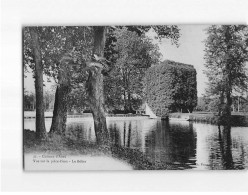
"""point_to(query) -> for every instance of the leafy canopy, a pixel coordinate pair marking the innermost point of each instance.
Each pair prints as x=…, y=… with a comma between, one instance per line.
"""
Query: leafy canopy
x=226, y=54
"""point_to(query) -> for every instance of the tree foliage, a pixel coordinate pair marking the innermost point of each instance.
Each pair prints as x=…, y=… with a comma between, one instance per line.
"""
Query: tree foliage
x=226, y=55
x=134, y=55
x=28, y=100
x=57, y=41
x=171, y=32
x=171, y=86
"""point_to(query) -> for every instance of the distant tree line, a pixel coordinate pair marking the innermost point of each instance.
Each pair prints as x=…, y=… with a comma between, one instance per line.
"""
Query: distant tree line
x=206, y=104
x=29, y=103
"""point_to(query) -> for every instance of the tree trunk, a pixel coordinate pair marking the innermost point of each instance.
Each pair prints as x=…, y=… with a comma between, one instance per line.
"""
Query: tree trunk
x=60, y=104
x=226, y=116
x=220, y=106
x=96, y=102
x=60, y=111
x=130, y=109
x=228, y=83
x=40, y=120
x=125, y=101
x=238, y=103
x=94, y=87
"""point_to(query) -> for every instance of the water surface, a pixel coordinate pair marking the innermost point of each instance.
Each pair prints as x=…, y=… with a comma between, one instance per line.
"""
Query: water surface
x=183, y=144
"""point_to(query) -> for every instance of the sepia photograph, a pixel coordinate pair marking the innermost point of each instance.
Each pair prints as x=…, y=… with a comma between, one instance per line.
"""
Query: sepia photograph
x=137, y=97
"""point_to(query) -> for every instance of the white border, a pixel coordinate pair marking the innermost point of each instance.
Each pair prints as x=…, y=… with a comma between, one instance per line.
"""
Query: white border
x=17, y=13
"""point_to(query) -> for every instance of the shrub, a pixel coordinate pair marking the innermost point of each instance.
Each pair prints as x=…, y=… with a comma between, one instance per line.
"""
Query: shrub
x=171, y=87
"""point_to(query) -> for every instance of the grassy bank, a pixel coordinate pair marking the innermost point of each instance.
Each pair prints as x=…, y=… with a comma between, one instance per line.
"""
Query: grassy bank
x=67, y=146
x=212, y=118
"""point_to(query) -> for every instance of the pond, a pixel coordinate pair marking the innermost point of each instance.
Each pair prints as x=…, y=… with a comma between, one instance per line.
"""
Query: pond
x=181, y=144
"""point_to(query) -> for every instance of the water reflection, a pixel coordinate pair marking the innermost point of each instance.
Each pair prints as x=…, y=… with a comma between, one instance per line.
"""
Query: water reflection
x=225, y=147
x=179, y=144
x=221, y=147
x=227, y=151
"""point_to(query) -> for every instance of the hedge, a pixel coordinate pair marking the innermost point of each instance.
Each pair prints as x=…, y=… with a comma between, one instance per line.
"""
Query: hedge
x=171, y=87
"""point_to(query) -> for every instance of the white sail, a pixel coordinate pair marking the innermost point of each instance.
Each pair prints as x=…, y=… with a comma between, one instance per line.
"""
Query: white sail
x=149, y=111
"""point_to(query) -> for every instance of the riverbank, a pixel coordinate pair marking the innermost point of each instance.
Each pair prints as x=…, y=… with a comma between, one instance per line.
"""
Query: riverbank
x=240, y=119
x=64, y=154
x=237, y=119
x=128, y=158
x=31, y=114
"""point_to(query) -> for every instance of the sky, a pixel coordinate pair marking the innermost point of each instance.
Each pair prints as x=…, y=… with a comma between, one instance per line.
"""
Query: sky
x=190, y=51
x=29, y=82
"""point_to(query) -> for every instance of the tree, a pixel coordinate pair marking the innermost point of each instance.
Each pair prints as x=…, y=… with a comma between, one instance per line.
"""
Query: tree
x=134, y=54
x=61, y=48
x=73, y=56
x=40, y=120
x=225, y=56
x=60, y=105
x=77, y=99
x=112, y=79
x=48, y=99
x=171, y=32
x=28, y=100
x=64, y=50
x=171, y=87
x=94, y=88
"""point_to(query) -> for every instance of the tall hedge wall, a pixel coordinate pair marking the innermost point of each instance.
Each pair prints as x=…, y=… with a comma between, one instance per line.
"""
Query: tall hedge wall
x=171, y=87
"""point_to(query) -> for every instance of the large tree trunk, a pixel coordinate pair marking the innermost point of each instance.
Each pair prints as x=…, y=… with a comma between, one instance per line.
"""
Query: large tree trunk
x=94, y=87
x=40, y=120
x=60, y=111
x=226, y=114
x=228, y=104
x=60, y=104
x=96, y=102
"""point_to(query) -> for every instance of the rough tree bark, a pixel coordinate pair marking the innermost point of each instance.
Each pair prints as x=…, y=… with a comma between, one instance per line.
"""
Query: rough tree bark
x=228, y=104
x=40, y=120
x=60, y=105
x=94, y=87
